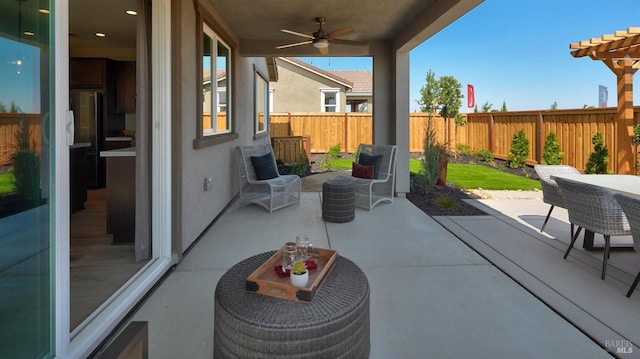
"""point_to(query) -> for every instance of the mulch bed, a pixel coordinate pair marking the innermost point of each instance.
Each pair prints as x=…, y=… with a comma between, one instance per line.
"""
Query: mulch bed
x=447, y=200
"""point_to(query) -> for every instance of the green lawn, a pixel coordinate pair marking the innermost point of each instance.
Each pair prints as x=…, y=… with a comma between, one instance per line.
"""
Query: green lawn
x=5, y=183
x=469, y=176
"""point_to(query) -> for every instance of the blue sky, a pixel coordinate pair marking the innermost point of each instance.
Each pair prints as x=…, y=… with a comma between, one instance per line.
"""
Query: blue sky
x=517, y=51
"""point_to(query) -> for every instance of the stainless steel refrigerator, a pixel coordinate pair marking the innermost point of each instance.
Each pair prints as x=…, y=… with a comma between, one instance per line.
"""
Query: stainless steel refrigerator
x=87, y=112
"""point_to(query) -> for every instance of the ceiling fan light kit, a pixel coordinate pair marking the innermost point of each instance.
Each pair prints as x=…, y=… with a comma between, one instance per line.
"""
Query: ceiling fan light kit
x=320, y=39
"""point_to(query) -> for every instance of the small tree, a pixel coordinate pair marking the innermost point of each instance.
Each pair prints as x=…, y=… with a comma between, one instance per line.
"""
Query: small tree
x=486, y=107
x=551, y=154
x=599, y=158
x=554, y=105
x=430, y=163
x=504, y=106
x=519, y=150
x=26, y=167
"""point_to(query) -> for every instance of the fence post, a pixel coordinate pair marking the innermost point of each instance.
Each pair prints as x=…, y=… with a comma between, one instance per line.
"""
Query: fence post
x=289, y=120
x=346, y=132
x=540, y=134
x=491, y=142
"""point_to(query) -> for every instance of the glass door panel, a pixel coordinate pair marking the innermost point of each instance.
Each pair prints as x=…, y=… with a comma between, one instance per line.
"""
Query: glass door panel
x=26, y=230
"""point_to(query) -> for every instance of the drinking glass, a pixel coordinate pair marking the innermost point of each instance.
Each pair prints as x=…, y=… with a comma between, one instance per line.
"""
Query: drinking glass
x=302, y=247
x=288, y=255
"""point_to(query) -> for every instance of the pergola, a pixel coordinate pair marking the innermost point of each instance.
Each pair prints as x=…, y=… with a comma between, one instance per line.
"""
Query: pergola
x=621, y=53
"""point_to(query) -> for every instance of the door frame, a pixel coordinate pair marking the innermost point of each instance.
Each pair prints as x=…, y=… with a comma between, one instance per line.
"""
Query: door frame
x=88, y=335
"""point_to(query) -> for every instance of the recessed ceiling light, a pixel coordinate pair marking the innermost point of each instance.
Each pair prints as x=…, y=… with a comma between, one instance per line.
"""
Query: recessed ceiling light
x=43, y=11
x=28, y=33
x=131, y=12
x=100, y=34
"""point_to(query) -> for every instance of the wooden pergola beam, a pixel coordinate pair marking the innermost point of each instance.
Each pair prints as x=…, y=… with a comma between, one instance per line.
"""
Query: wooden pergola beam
x=621, y=53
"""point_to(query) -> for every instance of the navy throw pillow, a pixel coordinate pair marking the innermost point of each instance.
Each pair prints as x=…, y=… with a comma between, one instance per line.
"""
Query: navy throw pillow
x=371, y=160
x=264, y=167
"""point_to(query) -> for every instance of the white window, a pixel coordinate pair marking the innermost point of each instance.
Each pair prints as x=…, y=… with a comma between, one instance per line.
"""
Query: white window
x=216, y=60
x=330, y=100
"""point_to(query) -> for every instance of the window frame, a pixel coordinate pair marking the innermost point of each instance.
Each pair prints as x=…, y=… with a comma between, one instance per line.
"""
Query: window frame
x=323, y=92
x=265, y=103
x=203, y=18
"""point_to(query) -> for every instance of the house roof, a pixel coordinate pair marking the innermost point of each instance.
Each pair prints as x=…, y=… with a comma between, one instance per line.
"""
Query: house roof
x=206, y=75
x=362, y=80
x=320, y=72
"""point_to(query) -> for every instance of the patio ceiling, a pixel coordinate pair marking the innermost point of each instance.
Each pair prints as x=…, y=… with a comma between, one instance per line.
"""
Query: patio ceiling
x=402, y=23
x=257, y=25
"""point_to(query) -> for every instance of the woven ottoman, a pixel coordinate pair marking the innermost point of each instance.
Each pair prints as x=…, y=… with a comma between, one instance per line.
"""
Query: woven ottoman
x=339, y=200
x=335, y=324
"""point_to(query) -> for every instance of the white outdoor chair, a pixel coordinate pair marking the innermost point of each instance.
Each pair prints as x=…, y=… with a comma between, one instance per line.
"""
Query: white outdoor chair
x=370, y=192
x=550, y=192
x=272, y=194
x=594, y=209
x=631, y=208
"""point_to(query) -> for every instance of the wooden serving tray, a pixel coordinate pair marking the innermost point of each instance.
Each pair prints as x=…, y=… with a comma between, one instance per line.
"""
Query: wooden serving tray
x=266, y=281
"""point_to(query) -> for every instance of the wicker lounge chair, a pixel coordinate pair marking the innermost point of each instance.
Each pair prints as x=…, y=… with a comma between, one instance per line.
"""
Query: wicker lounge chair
x=550, y=192
x=370, y=192
x=273, y=193
x=594, y=209
x=631, y=208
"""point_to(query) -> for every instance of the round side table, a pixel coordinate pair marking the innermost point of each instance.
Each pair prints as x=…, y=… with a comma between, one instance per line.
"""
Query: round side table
x=335, y=324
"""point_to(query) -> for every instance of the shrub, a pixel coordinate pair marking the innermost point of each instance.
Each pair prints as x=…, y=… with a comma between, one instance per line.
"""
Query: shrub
x=334, y=152
x=484, y=155
x=519, y=150
x=463, y=149
x=326, y=163
x=446, y=202
x=26, y=167
x=430, y=163
x=301, y=168
x=599, y=158
x=551, y=154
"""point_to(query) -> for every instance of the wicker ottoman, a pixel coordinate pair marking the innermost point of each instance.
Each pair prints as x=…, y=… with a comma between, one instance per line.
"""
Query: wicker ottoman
x=335, y=324
x=339, y=200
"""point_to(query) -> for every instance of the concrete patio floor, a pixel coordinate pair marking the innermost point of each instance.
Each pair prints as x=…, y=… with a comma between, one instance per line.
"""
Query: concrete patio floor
x=432, y=294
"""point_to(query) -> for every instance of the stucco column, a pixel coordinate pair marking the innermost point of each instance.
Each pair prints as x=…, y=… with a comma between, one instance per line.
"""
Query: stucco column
x=391, y=106
x=383, y=94
x=402, y=121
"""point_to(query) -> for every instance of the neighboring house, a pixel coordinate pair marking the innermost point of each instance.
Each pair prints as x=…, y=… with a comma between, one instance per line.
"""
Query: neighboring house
x=172, y=43
x=302, y=87
x=360, y=98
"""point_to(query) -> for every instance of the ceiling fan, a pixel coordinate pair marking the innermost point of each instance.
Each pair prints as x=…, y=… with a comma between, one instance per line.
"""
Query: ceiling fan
x=321, y=39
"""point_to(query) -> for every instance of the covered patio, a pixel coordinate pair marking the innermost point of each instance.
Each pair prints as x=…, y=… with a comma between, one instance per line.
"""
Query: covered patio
x=443, y=287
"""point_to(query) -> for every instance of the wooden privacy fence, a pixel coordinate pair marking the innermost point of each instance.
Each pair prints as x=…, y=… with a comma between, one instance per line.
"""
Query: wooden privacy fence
x=291, y=150
x=492, y=131
x=9, y=127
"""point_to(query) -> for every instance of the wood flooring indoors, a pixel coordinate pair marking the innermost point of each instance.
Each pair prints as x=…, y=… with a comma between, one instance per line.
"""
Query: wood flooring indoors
x=98, y=268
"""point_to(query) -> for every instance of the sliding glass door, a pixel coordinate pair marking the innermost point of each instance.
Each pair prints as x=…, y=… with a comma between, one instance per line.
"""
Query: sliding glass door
x=26, y=239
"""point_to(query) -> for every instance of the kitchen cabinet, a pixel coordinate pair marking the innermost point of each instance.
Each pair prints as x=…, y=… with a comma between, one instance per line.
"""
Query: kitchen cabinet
x=87, y=72
x=126, y=87
x=121, y=194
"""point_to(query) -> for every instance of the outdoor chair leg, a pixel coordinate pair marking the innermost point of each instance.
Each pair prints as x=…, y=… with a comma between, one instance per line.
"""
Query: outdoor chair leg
x=573, y=240
x=571, y=230
x=547, y=219
x=633, y=286
x=606, y=256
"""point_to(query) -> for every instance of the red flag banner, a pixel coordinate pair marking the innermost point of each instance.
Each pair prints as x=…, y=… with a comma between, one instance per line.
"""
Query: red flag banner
x=471, y=100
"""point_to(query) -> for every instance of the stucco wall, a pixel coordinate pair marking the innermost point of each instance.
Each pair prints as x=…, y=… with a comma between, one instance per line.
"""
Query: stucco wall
x=200, y=207
x=298, y=90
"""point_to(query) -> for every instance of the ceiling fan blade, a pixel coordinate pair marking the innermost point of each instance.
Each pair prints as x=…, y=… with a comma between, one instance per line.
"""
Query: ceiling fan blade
x=349, y=42
x=297, y=33
x=339, y=32
x=294, y=44
x=324, y=50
